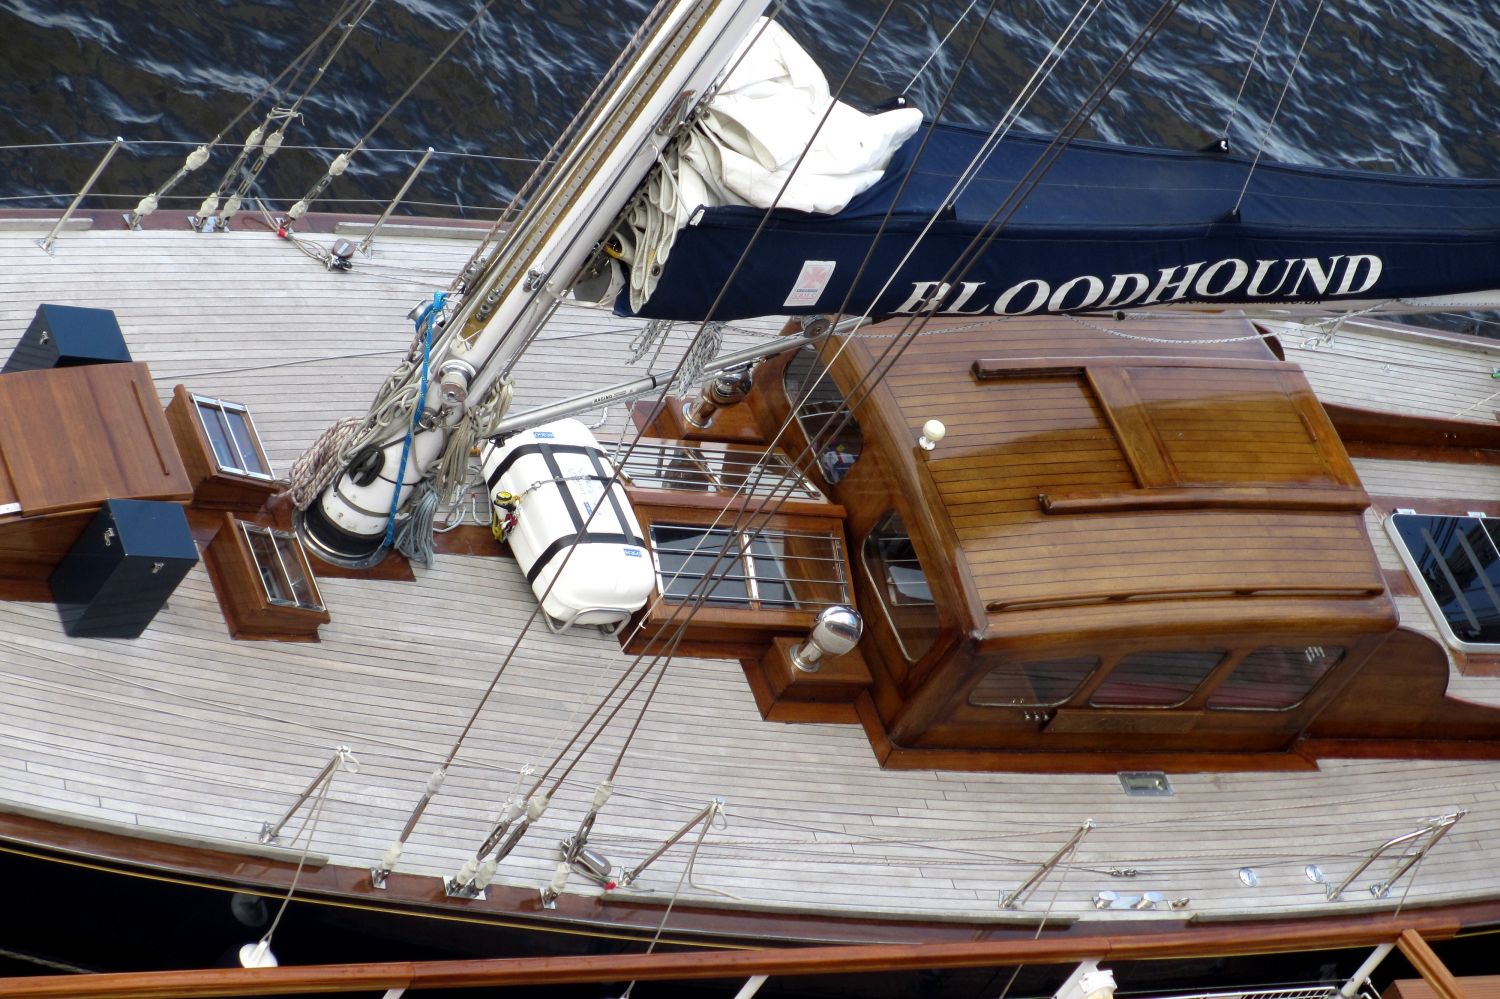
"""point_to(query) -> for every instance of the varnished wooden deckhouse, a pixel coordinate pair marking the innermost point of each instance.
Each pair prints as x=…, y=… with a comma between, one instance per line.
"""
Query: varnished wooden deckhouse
x=1140, y=549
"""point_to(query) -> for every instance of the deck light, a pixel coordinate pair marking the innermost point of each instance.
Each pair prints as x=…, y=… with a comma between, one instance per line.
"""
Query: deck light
x=932, y=432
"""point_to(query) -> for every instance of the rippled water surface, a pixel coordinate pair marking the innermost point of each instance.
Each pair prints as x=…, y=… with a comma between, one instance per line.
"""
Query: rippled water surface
x=1406, y=85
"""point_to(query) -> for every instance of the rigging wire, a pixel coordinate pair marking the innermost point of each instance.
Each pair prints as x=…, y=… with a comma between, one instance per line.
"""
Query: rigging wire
x=704, y=587
x=585, y=113
x=1249, y=68
x=505, y=662
x=705, y=583
x=938, y=48
x=1271, y=122
x=200, y=155
x=269, y=145
x=341, y=161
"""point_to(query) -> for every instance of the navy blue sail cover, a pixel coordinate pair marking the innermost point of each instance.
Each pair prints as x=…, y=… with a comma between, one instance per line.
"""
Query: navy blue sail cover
x=1107, y=227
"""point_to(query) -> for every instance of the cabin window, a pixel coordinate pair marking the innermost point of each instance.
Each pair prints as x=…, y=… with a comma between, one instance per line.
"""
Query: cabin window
x=1155, y=679
x=1457, y=561
x=1275, y=678
x=1043, y=684
x=282, y=567
x=770, y=568
x=823, y=417
x=232, y=436
x=901, y=585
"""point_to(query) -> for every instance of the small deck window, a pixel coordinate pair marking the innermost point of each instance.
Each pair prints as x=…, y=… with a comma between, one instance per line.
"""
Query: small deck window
x=1457, y=562
x=1275, y=678
x=770, y=568
x=824, y=416
x=1042, y=684
x=1155, y=679
x=232, y=436
x=891, y=562
x=282, y=568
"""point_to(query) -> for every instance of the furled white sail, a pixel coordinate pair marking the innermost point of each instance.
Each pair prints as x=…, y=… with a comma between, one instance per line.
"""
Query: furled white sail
x=772, y=136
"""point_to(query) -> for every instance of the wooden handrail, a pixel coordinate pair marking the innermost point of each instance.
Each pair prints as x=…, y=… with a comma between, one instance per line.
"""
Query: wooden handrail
x=1184, y=592
x=1429, y=965
x=1178, y=944
x=1330, y=498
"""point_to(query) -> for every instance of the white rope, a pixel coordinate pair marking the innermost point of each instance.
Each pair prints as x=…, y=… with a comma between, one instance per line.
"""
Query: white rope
x=676, y=893
x=648, y=336
x=342, y=759
x=316, y=469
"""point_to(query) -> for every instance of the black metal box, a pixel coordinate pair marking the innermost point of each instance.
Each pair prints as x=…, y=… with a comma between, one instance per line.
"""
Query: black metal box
x=123, y=568
x=64, y=335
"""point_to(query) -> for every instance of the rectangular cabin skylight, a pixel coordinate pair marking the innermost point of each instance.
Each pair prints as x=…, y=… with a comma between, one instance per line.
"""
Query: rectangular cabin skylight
x=232, y=436
x=282, y=567
x=1456, y=562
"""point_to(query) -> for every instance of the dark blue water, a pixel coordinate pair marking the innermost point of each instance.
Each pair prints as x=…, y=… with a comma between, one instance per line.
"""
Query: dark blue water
x=1406, y=85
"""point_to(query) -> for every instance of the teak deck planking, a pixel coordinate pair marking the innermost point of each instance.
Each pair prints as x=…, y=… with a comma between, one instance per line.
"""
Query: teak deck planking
x=208, y=737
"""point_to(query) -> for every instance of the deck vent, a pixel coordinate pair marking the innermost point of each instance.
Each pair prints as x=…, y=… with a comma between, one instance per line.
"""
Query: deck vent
x=1146, y=784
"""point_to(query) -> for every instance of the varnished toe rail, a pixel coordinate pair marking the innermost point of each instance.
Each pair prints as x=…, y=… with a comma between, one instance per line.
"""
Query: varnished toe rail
x=1410, y=934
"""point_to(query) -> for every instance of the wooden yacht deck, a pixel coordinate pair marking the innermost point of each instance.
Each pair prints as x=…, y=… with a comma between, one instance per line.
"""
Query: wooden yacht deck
x=186, y=732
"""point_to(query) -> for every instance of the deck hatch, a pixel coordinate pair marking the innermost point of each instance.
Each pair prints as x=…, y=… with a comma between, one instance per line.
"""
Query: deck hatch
x=231, y=434
x=282, y=567
x=1146, y=784
x=1457, y=561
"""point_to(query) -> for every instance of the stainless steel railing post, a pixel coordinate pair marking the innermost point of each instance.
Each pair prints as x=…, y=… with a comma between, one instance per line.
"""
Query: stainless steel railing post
x=364, y=244
x=51, y=237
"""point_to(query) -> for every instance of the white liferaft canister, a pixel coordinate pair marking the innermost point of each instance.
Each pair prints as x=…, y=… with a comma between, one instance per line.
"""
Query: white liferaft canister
x=559, y=471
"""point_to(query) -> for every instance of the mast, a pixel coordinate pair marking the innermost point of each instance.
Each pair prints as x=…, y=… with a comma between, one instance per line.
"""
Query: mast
x=505, y=304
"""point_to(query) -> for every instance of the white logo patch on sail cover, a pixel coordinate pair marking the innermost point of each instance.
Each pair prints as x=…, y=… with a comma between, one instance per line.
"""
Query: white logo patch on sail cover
x=810, y=283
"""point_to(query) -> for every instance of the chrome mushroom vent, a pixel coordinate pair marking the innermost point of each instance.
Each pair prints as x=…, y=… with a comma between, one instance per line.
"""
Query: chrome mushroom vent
x=835, y=632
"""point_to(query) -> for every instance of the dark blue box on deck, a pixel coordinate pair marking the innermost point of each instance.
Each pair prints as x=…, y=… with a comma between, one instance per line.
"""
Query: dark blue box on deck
x=61, y=336
x=122, y=569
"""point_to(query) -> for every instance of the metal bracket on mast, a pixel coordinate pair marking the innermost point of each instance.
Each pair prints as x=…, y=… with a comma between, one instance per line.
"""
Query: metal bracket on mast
x=1013, y=899
x=1428, y=834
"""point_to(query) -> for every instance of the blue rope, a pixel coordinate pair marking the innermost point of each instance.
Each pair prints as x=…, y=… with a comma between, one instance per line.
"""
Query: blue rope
x=428, y=318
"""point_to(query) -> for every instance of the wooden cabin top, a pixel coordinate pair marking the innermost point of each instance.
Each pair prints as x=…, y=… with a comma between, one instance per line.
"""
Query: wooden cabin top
x=1121, y=475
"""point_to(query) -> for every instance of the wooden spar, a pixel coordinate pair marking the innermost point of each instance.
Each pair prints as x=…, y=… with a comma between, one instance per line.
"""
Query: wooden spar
x=1429, y=965
x=1180, y=944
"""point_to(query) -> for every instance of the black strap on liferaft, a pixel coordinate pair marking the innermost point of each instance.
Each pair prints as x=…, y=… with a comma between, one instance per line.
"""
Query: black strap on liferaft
x=602, y=473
